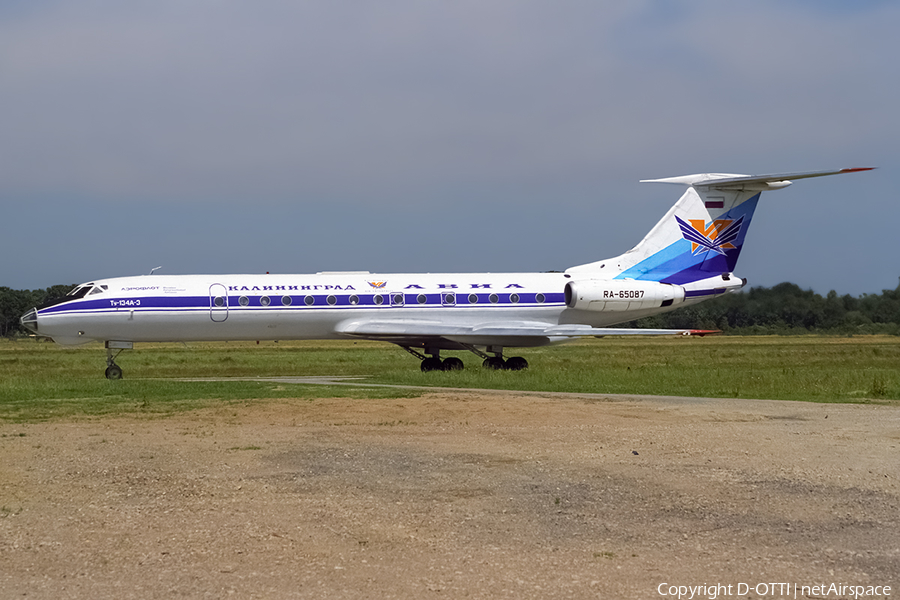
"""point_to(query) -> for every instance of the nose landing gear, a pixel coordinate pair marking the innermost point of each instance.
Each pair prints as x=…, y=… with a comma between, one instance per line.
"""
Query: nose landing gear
x=113, y=350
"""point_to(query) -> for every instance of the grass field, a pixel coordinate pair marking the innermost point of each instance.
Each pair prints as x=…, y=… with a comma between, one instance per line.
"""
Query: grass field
x=40, y=380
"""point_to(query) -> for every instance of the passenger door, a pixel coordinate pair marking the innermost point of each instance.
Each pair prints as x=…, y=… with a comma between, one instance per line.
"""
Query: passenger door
x=218, y=302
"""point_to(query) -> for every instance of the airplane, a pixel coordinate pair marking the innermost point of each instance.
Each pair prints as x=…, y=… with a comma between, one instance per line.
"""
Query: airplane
x=689, y=256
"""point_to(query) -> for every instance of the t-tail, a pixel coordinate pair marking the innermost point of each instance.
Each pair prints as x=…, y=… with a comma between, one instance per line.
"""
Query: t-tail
x=696, y=245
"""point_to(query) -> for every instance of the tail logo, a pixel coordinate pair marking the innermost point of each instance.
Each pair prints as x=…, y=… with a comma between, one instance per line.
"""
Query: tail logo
x=716, y=236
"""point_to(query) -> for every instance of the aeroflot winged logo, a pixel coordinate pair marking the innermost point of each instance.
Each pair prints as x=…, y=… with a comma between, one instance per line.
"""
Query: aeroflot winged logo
x=716, y=236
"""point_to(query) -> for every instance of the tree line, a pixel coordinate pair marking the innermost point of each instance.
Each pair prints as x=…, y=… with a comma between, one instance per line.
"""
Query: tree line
x=784, y=308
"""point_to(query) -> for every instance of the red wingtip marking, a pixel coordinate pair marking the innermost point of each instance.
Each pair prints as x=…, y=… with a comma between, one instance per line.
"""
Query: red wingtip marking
x=857, y=169
x=702, y=332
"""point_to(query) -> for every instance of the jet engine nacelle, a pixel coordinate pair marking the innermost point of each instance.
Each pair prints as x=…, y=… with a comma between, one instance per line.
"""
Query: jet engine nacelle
x=621, y=294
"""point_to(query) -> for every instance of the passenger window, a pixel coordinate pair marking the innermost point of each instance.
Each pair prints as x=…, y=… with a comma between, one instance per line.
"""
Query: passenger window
x=309, y=300
x=264, y=301
x=286, y=300
x=473, y=298
x=421, y=298
x=539, y=298
x=331, y=300
x=514, y=298
x=354, y=300
x=494, y=298
x=244, y=301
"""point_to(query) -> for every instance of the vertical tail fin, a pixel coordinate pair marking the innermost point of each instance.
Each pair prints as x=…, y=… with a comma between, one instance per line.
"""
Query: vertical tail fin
x=702, y=234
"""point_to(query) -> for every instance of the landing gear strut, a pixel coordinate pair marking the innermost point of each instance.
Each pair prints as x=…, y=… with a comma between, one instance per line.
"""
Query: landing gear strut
x=113, y=350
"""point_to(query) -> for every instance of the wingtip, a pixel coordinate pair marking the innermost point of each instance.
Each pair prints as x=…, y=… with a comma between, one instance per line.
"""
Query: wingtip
x=703, y=332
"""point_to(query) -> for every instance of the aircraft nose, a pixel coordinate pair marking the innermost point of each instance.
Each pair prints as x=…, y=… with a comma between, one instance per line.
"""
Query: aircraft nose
x=29, y=320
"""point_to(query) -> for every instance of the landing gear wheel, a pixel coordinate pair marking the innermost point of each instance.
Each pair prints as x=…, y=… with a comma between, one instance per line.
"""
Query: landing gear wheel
x=453, y=364
x=516, y=363
x=495, y=363
x=114, y=372
x=432, y=363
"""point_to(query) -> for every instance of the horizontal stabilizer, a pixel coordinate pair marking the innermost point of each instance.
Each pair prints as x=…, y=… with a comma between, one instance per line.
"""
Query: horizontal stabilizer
x=758, y=183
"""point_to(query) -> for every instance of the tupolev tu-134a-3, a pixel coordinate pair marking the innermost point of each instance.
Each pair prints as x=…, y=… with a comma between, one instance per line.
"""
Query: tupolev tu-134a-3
x=689, y=256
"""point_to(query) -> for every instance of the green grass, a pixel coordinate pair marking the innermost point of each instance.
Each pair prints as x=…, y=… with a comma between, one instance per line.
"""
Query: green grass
x=40, y=380
x=810, y=368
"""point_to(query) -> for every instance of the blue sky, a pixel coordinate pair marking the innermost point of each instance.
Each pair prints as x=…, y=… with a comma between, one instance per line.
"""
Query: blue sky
x=222, y=136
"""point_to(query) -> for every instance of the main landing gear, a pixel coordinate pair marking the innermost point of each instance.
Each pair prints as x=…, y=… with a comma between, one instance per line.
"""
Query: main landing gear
x=513, y=363
x=433, y=361
x=497, y=362
x=113, y=350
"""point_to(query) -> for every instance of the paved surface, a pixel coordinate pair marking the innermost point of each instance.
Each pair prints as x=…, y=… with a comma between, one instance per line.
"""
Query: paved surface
x=340, y=380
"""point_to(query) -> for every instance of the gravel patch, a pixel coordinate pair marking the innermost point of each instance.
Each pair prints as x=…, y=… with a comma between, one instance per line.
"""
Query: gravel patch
x=453, y=494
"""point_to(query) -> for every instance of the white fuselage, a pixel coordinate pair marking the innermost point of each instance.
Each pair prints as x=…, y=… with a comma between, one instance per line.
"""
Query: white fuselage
x=158, y=308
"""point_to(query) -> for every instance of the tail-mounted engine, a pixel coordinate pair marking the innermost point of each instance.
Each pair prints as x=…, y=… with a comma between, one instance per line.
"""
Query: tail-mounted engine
x=621, y=294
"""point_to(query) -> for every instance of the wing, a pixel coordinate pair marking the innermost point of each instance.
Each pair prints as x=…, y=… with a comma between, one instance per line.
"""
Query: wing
x=499, y=333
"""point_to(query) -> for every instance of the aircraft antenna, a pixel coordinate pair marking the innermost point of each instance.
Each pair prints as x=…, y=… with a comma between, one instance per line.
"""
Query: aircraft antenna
x=155, y=269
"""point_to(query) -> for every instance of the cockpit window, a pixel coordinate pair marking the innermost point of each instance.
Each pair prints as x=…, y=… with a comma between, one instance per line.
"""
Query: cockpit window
x=79, y=292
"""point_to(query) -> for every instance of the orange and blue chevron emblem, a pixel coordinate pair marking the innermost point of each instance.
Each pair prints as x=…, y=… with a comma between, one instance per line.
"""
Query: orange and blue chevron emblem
x=716, y=236
x=377, y=284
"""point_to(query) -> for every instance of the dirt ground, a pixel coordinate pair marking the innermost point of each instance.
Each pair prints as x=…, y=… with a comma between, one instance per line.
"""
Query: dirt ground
x=453, y=495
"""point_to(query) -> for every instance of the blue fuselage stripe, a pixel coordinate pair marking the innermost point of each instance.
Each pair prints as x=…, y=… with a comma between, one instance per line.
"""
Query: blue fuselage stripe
x=697, y=293
x=300, y=302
